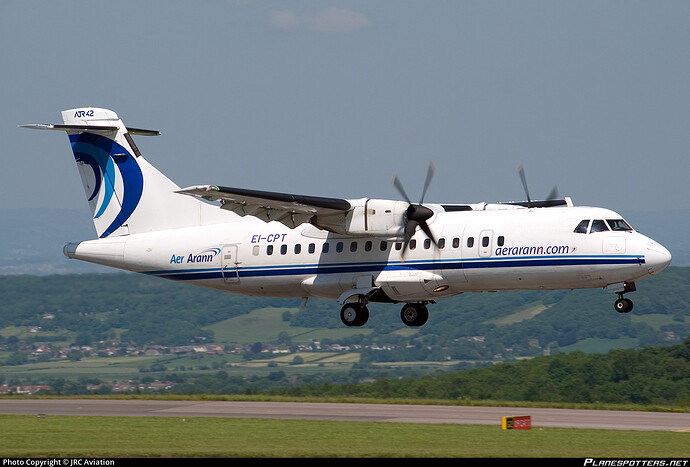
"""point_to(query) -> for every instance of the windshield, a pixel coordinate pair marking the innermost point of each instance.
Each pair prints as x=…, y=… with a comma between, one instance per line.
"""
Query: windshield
x=618, y=225
x=598, y=225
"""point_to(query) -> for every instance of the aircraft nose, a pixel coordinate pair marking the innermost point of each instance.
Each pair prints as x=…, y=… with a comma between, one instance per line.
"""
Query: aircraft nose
x=657, y=258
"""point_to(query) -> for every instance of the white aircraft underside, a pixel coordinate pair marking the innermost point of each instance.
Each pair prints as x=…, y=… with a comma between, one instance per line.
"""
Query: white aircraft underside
x=356, y=251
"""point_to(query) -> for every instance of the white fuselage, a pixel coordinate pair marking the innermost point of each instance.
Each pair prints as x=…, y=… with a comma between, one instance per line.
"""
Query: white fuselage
x=480, y=250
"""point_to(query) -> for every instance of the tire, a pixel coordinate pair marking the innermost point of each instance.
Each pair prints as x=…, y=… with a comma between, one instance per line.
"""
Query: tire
x=353, y=314
x=414, y=314
x=623, y=305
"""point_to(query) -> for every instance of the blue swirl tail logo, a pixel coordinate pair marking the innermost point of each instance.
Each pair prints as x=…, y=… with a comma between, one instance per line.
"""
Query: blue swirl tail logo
x=105, y=157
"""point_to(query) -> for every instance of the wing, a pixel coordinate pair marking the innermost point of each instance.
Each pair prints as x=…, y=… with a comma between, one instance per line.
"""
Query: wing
x=291, y=210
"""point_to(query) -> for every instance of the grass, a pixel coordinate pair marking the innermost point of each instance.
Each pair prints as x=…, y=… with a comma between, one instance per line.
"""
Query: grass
x=264, y=324
x=71, y=436
x=519, y=316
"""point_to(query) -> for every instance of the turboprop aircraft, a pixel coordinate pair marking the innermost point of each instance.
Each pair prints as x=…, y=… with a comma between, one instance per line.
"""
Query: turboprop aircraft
x=357, y=251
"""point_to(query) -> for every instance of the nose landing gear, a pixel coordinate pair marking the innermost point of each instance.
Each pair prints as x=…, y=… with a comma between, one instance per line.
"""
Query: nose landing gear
x=623, y=305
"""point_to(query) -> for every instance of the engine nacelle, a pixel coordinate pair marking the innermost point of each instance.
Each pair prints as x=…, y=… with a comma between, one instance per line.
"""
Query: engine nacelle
x=368, y=217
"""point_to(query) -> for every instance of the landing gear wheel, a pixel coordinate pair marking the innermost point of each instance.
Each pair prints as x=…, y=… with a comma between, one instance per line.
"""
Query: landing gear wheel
x=354, y=314
x=623, y=305
x=414, y=314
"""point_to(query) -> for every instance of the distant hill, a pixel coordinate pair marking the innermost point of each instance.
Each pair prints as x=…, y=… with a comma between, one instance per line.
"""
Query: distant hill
x=146, y=311
x=31, y=240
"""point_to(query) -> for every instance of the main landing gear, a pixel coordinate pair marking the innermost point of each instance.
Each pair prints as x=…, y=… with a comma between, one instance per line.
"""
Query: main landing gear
x=414, y=314
x=354, y=314
x=357, y=314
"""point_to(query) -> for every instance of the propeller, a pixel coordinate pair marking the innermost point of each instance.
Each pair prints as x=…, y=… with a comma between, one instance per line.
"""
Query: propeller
x=416, y=214
x=554, y=191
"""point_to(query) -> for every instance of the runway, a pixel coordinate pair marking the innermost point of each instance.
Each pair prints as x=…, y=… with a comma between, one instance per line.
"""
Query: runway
x=541, y=417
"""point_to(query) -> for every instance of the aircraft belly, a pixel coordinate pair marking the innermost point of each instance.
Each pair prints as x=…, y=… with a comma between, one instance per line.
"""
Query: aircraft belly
x=485, y=276
x=327, y=285
x=271, y=287
x=548, y=277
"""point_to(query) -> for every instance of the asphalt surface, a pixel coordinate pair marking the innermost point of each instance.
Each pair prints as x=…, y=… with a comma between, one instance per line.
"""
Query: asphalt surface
x=540, y=417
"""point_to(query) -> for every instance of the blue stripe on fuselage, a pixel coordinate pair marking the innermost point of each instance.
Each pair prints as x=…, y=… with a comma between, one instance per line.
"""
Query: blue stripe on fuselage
x=428, y=265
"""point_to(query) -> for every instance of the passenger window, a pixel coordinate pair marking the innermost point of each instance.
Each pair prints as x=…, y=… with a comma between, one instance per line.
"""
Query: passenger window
x=398, y=246
x=501, y=240
x=353, y=247
x=413, y=244
x=441, y=243
x=312, y=248
x=456, y=242
x=326, y=246
x=283, y=249
x=485, y=241
x=582, y=226
x=367, y=246
x=339, y=247
x=255, y=250
x=470, y=242
x=298, y=249
x=384, y=246
x=427, y=243
x=619, y=225
x=269, y=250
x=598, y=225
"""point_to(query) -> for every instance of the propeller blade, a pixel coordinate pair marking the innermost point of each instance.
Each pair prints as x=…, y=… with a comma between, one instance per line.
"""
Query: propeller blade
x=416, y=214
x=398, y=185
x=429, y=176
x=554, y=193
x=410, y=228
x=524, y=185
x=425, y=228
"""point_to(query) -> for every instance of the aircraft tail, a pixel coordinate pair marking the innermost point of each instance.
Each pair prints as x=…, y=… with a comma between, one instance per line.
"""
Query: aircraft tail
x=126, y=194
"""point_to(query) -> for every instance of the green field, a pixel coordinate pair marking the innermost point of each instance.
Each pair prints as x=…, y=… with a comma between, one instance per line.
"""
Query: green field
x=71, y=436
x=264, y=325
x=125, y=368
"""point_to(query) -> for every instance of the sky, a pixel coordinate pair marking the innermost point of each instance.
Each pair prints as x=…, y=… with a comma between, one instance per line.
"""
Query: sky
x=332, y=98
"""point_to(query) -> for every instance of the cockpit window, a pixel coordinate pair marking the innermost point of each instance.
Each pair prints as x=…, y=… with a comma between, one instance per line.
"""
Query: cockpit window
x=582, y=226
x=598, y=225
x=619, y=225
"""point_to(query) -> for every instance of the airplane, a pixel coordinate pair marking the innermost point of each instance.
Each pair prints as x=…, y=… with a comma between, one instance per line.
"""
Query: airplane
x=356, y=251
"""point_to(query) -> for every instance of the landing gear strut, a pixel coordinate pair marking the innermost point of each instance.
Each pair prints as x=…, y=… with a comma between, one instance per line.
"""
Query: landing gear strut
x=354, y=314
x=414, y=314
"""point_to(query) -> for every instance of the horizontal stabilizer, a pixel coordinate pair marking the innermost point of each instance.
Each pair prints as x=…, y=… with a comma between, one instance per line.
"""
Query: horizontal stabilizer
x=50, y=126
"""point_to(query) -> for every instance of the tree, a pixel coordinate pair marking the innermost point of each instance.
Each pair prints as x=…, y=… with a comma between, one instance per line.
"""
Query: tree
x=83, y=338
x=284, y=338
x=298, y=360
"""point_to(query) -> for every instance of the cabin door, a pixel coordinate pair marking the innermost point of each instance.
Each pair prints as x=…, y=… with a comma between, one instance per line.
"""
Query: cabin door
x=230, y=264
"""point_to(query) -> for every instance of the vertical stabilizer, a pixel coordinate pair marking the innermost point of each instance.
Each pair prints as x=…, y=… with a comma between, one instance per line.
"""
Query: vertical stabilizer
x=126, y=194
